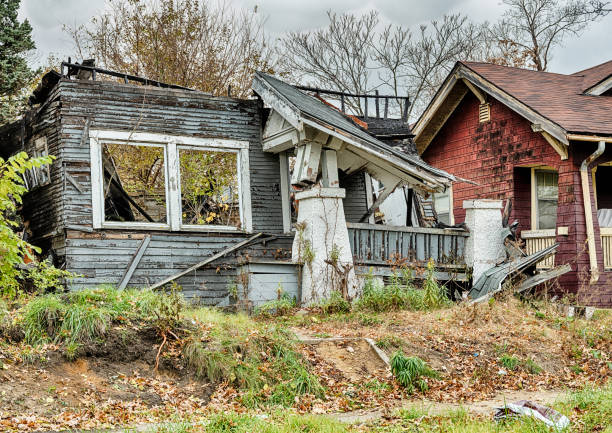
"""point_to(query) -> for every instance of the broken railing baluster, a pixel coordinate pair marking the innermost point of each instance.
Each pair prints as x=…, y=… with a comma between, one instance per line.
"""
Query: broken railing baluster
x=377, y=105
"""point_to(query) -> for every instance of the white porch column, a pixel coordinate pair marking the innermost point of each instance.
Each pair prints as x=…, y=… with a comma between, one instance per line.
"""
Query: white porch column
x=485, y=246
x=322, y=237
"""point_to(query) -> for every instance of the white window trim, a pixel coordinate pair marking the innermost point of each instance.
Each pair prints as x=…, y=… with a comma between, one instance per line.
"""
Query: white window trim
x=451, y=211
x=170, y=143
x=534, y=199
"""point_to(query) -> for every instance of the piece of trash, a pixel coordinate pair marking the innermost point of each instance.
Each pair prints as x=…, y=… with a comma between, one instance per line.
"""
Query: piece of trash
x=549, y=416
x=350, y=349
x=502, y=372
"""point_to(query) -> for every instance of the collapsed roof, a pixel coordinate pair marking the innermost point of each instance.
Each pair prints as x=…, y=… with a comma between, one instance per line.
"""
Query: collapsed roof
x=304, y=116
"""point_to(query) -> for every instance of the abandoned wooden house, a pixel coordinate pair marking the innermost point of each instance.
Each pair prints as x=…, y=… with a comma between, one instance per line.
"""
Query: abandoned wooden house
x=539, y=139
x=230, y=198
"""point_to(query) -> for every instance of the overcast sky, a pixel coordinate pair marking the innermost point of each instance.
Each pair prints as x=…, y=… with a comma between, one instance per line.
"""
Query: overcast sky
x=593, y=47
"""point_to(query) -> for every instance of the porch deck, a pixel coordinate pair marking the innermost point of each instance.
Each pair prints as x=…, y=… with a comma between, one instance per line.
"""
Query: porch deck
x=382, y=247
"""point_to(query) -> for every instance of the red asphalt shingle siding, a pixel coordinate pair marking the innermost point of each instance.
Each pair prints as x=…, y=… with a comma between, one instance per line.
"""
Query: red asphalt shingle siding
x=557, y=97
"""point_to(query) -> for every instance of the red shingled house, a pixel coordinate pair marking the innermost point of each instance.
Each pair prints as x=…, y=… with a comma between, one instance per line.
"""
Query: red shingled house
x=542, y=140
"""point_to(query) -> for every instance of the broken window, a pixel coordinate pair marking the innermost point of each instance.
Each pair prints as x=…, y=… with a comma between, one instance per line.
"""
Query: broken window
x=209, y=187
x=134, y=183
x=156, y=181
x=547, y=195
x=38, y=176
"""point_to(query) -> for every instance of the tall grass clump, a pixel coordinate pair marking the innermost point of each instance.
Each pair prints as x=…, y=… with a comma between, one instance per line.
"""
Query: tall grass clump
x=434, y=294
x=81, y=316
x=411, y=371
x=261, y=360
x=400, y=294
x=335, y=303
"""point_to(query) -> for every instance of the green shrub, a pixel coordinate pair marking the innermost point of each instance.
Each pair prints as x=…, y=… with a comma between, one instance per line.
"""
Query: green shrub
x=335, y=304
x=13, y=249
x=410, y=372
x=45, y=277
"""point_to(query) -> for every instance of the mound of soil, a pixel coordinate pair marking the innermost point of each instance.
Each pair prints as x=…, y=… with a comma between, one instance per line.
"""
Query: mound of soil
x=121, y=368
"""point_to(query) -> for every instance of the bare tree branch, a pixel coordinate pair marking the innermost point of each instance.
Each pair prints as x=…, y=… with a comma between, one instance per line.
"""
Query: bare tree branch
x=530, y=29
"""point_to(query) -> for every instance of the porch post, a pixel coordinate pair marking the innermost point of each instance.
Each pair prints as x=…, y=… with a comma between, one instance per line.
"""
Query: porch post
x=485, y=246
x=321, y=245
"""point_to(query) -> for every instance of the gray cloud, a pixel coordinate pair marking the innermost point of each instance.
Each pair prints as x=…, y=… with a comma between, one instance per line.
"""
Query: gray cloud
x=48, y=16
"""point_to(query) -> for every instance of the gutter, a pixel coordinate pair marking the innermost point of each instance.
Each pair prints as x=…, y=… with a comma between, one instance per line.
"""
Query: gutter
x=588, y=210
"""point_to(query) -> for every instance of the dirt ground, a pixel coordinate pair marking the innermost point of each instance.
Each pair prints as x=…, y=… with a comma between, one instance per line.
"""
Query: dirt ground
x=114, y=382
x=111, y=379
x=355, y=359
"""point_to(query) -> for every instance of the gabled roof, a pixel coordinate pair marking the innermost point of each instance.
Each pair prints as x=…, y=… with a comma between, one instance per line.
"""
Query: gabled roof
x=594, y=75
x=555, y=102
x=298, y=107
x=557, y=97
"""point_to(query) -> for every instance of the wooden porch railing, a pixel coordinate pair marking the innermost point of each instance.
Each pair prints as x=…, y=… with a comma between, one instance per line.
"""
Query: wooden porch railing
x=537, y=240
x=374, y=244
x=606, y=246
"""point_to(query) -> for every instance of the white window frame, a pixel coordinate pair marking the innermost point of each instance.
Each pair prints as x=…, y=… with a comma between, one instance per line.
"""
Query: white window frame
x=451, y=213
x=171, y=145
x=535, y=223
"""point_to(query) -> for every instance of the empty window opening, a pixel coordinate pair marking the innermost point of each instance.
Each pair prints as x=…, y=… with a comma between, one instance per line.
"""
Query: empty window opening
x=134, y=183
x=209, y=187
x=163, y=182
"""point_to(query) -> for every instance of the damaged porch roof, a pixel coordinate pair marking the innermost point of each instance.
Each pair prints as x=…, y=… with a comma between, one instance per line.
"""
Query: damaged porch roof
x=359, y=149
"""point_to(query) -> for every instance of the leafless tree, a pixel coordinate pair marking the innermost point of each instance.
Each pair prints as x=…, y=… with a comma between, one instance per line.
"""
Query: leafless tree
x=530, y=29
x=417, y=64
x=202, y=45
x=351, y=55
x=335, y=57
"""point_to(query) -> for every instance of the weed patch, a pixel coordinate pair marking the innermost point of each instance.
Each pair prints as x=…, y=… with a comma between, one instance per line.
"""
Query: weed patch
x=411, y=371
x=261, y=360
x=334, y=304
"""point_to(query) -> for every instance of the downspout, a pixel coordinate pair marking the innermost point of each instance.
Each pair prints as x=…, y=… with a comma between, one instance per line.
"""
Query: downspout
x=588, y=211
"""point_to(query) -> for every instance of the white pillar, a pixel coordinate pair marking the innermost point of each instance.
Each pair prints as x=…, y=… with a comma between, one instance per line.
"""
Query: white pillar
x=322, y=235
x=485, y=246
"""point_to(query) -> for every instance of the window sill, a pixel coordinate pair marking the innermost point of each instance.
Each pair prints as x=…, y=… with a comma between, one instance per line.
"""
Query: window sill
x=549, y=233
x=166, y=228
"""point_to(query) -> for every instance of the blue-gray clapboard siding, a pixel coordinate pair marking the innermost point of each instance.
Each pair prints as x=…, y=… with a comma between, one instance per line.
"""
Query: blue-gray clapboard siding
x=102, y=257
x=384, y=245
x=42, y=205
x=266, y=278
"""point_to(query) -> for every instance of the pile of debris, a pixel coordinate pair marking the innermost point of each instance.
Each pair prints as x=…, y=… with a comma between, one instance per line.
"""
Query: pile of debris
x=519, y=270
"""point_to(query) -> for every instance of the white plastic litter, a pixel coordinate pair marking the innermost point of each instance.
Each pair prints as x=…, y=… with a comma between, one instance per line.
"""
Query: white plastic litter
x=549, y=416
